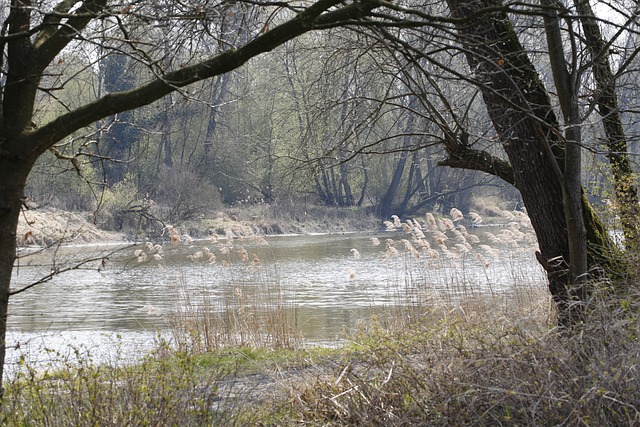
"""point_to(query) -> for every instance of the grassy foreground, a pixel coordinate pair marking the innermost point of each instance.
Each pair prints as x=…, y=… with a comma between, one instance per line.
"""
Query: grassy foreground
x=476, y=363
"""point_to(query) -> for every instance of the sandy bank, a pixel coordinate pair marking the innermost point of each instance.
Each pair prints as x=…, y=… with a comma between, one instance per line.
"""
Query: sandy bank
x=46, y=226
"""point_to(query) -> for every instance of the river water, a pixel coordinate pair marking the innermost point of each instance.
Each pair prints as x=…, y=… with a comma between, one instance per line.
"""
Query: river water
x=326, y=283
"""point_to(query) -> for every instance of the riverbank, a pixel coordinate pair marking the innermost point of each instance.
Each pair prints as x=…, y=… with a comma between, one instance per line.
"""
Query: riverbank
x=476, y=363
x=46, y=226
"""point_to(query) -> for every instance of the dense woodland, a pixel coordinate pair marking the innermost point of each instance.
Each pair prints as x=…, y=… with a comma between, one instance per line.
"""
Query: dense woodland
x=329, y=119
x=335, y=118
x=170, y=109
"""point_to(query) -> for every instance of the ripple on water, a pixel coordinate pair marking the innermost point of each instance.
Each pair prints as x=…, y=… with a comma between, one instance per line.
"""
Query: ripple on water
x=318, y=275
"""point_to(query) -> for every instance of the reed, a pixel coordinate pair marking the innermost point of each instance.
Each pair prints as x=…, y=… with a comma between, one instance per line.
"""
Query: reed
x=454, y=354
x=245, y=316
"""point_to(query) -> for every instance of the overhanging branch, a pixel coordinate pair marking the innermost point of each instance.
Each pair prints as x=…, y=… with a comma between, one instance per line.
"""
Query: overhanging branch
x=35, y=142
x=462, y=156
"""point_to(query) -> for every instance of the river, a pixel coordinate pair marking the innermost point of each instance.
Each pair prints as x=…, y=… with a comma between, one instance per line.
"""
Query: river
x=325, y=284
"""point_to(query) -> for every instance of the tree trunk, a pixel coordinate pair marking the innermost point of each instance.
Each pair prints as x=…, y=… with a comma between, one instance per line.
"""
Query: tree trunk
x=520, y=110
x=411, y=183
x=387, y=207
x=386, y=204
x=165, y=132
x=567, y=90
x=14, y=177
x=348, y=198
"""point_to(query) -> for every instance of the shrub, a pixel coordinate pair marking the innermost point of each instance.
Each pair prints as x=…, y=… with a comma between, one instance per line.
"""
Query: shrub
x=473, y=367
x=123, y=207
x=184, y=195
x=157, y=392
x=55, y=182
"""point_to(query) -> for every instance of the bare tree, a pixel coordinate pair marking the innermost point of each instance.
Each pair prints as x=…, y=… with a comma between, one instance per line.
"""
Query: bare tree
x=34, y=35
x=540, y=154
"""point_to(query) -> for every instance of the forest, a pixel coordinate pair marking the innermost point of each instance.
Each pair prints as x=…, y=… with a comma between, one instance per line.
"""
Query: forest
x=325, y=120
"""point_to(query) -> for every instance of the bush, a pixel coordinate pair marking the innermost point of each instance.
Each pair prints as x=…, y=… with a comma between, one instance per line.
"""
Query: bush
x=157, y=392
x=55, y=182
x=476, y=368
x=184, y=195
x=123, y=207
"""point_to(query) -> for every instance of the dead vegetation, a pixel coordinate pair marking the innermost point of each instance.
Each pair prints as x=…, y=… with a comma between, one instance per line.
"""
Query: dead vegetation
x=43, y=227
x=476, y=360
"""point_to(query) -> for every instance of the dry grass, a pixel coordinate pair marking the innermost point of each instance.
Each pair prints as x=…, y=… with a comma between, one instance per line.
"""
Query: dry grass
x=470, y=360
x=482, y=361
x=244, y=317
x=481, y=365
x=251, y=310
x=47, y=226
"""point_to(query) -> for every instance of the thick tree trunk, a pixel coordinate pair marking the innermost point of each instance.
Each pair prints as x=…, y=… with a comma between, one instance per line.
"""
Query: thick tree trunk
x=520, y=110
x=14, y=176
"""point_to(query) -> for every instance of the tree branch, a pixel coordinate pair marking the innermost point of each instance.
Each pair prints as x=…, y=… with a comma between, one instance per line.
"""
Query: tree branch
x=50, y=41
x=462, y=156
x=37, y=141
x=52, y=20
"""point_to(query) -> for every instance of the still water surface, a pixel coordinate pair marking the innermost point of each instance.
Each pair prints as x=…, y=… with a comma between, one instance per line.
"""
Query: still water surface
x=331, y=283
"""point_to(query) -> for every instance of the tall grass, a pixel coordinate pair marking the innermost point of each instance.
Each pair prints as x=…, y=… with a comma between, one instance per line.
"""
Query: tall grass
x=157, y=392
x=478, y=362
x=256, y=316
x=472, y=359
x=481, y=365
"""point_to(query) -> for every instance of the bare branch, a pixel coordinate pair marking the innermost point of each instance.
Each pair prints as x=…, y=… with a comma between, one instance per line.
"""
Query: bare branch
x=41, y=139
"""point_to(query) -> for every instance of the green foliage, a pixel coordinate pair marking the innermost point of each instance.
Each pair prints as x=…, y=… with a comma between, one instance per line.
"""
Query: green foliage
x=251, y=360
x=166, y=388
x=264, y=139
